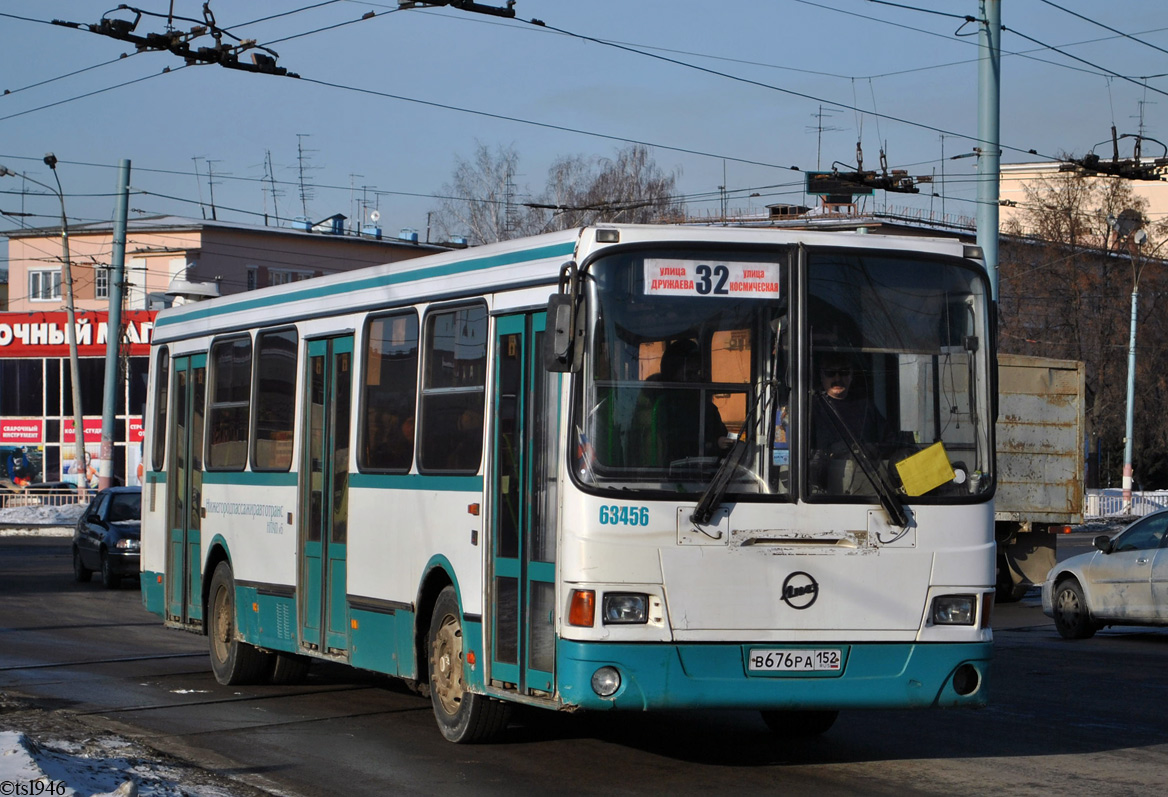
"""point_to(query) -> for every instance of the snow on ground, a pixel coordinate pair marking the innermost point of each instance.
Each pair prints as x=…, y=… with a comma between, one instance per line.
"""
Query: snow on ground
x=53, y=753
x=95, y=767
x=57, y=753
x=51, y=521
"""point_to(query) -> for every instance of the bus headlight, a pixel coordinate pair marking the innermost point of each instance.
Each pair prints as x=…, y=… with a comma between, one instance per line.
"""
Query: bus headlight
x=606, y=681
x=954, y=609
x=625, y=608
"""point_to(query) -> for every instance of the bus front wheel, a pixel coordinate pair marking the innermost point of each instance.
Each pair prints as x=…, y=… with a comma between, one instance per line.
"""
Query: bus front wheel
x=233, y=660
x=463, y=716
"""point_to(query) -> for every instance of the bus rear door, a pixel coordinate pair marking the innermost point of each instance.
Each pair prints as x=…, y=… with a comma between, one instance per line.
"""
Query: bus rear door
x=184, y=560
x=324, y=496
x=523, y=509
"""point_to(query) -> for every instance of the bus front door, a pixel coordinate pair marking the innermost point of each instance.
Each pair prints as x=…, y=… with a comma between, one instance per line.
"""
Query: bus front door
x=184, y=560
x=324, y=496
x=523, y=494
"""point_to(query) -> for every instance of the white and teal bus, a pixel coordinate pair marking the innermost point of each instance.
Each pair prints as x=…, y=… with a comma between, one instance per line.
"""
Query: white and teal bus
x=621, y=468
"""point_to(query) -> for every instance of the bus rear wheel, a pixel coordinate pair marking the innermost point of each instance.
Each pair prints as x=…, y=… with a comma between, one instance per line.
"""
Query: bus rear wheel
x=799, y=724
x=463, y=716
x=232, y=660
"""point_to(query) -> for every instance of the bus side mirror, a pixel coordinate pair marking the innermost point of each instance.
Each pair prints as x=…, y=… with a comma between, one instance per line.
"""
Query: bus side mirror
x=562, y=349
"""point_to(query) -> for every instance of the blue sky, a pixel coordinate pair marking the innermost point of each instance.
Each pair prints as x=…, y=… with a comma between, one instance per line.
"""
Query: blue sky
x=851, y=57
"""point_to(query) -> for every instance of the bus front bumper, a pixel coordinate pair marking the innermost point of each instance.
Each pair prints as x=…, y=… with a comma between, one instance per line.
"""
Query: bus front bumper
x=871, y=675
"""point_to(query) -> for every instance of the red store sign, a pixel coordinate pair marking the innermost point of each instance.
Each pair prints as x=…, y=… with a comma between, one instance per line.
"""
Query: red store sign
x=22, y=431
x=43, y=334
x=93, y=430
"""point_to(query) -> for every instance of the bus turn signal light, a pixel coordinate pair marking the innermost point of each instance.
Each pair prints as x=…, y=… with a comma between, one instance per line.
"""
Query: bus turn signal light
x=582, y=608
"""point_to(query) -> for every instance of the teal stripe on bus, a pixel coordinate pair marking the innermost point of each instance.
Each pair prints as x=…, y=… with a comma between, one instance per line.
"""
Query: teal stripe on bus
x=383, y=481
x=155, y=477
x=384, y=280
x=414, y=481
x=250, y=478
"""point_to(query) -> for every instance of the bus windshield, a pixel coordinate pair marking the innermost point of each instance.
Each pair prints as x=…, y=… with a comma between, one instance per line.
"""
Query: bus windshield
x=696, y=358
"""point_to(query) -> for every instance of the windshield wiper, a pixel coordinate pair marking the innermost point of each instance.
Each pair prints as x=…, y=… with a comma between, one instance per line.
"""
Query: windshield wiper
x=887, y=494
x=716, y=489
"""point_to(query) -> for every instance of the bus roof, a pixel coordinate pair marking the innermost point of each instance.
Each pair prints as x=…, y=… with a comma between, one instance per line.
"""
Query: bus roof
x=523, y=262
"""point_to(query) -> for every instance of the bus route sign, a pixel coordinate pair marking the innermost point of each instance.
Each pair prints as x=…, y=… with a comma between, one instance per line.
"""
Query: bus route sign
x=712, y=279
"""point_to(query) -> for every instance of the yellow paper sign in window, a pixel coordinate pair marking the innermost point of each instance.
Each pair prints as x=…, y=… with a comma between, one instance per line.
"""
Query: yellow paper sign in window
x=925, y=470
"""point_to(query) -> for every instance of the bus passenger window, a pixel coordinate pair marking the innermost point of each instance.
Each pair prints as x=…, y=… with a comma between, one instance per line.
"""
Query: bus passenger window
x=230, y=401
x=453, y=390
x=390, y=393
x=275, y=407
x=161, y=396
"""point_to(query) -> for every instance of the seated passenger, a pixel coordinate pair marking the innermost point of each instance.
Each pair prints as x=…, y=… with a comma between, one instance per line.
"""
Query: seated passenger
x=683, y=421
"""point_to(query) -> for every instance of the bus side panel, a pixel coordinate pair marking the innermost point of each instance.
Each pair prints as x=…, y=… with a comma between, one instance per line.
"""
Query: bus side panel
x=381, y=641
x=406, y=522
x=153, y=558
x=250, y=512
x=247, y=519
x=267, y=619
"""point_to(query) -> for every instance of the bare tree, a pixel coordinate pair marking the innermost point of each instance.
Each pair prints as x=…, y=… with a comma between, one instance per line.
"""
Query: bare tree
x=1067, y=275
x=483, y=203
x=629, y=188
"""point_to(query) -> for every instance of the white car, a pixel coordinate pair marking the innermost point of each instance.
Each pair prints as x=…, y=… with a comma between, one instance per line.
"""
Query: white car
x=1123, y=582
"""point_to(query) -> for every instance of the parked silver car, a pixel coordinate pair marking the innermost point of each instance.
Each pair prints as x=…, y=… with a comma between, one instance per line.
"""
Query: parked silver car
x=1123, y=582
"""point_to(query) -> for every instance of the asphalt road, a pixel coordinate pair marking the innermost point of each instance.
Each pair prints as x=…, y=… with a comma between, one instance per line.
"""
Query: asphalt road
x=1072, y=717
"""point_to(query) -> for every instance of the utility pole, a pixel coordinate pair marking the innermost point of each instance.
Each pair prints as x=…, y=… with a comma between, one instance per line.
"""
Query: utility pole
x=989, y=158
x=71, y=335
x=71, y=323
x=114, y=324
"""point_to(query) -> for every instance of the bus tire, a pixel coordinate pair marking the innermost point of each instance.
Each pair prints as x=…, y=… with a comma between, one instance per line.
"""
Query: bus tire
x=232, y=660
x=1072, y=617
x=289, y=669
x=463, y=716
x=81, y=573
x=799, y=724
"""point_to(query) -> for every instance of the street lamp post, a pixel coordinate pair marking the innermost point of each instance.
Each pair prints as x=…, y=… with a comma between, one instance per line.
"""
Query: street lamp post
x=71, y=331
x=1131, y=399
x=1127, y=226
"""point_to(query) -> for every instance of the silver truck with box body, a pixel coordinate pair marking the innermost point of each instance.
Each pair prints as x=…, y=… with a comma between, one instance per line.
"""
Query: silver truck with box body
x=1040, y=465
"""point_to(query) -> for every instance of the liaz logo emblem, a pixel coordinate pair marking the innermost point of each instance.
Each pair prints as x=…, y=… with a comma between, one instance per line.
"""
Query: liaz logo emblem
x=800, y=590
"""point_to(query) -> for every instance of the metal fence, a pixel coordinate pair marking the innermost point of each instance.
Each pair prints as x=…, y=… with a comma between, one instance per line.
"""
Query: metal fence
x=54, y=496
x=1109, y=502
